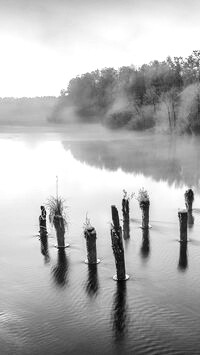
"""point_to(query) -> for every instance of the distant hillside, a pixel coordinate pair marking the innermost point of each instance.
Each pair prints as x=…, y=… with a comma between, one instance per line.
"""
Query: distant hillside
x=26, y=111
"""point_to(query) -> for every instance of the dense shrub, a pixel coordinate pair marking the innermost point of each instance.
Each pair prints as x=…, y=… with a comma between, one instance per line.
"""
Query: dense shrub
x=119, y=119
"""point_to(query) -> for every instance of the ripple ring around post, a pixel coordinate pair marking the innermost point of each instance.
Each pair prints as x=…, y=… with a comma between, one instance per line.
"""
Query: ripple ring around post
x=116, y=279
x=98, y=261
x=61, y=247
x=149, y=227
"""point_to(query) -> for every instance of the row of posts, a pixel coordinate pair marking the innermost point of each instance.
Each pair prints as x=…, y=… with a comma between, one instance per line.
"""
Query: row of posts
x=117, y=234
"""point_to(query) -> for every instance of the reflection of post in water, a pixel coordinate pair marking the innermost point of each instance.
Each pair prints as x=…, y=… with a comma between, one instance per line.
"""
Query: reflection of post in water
x=60, y=271
x=92, y=284
x=44, y=247
x=119, y=311
x=183, y=261
x=125, y=212
x=145, y=247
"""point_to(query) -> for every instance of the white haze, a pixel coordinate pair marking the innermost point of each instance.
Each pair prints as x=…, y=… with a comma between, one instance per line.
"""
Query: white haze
x=44, y=44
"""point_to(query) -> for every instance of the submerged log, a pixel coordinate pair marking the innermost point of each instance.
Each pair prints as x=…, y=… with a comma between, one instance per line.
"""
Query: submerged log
x=117, y=246
x=126, y=223
x=182, y=214
x=91, y=236
x=144, y=205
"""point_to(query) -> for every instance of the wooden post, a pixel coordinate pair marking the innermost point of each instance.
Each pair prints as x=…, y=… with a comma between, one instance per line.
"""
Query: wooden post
x=91, y=236
x=42, y=222
x=182, y=214
x=125, y=212
x=60, y=231
x=189, y=198
x=144, y=205
x=117, y=246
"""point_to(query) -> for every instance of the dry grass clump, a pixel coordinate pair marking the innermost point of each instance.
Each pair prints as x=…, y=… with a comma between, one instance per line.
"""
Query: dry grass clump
x=56, y=207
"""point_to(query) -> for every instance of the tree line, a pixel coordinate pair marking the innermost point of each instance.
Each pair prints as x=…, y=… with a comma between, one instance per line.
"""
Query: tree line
x=163, y=95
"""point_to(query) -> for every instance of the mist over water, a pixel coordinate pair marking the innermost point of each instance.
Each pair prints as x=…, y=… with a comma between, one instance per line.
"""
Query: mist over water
x=52, y=301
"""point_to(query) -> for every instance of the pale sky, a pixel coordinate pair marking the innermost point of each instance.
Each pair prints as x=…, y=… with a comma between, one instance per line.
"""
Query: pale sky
x=44, y=43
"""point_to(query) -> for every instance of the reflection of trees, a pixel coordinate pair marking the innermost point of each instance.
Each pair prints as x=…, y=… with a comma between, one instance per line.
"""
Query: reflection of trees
x=60, y=271
x=119, y=311
x=175, y=160
x=92, y=284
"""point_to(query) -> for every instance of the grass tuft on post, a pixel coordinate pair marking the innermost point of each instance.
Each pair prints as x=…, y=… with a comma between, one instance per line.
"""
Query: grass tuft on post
x=144, y=203
x=90, y=236
x=58, y=219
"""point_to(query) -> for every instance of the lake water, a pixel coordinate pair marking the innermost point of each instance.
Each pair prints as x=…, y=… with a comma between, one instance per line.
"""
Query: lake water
x=54, y=303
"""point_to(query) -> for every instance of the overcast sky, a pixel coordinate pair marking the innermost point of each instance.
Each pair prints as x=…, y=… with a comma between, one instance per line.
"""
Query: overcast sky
x=44, y=43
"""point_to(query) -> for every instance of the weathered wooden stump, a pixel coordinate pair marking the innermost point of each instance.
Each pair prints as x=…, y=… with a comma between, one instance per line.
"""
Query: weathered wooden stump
x=182, y=214
x=59, y=225
x=91, y=236
x=42, y=222
x=144, y=205
x=117, y=246
x=183, y=261
x=126, y=222
x=189, y=198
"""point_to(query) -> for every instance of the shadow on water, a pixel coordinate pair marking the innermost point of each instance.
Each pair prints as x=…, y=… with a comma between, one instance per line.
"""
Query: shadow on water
x=119, y=311
x=60, y=271
x=92, y=284
x=44, y=248
x=183, y=259
x=145, y=246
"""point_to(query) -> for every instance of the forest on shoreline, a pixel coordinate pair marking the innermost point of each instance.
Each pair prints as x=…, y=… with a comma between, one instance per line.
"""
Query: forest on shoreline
x=160, y=95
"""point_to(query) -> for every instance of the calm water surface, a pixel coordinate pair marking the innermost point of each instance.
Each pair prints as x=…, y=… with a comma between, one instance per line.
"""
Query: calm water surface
x=54, y=303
